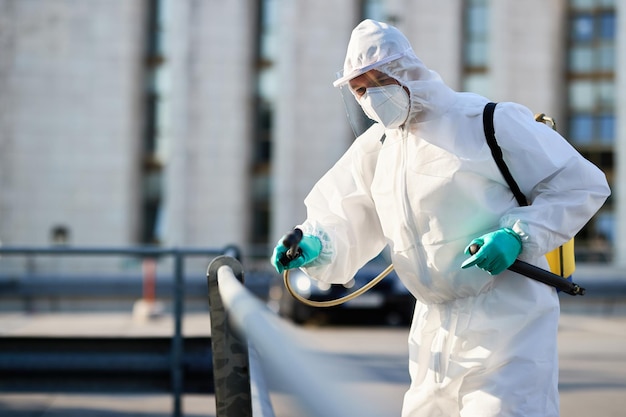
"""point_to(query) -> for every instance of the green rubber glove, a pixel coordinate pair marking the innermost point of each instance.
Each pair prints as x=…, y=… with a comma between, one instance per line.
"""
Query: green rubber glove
x=311, y=248
x=498, y=250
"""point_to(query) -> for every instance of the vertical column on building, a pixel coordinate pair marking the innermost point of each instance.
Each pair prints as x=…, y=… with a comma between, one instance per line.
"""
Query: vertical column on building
x=619, y=185
x=435, y=32
x=311, y=130
x=206, y=184
x=526, y=50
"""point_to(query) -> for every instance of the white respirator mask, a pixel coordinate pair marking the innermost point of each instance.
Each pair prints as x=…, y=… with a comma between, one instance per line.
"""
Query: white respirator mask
x=388, y=105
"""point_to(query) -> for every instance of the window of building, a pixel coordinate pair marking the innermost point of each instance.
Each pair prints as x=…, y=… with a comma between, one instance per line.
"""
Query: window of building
x=476, y=47
x=267, y=48
x=591, y=106
x=374, y=9
x=152, y=162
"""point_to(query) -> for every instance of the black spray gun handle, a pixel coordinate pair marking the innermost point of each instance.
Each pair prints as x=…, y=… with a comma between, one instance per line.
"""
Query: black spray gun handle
x=291, y=241
x=541, y=275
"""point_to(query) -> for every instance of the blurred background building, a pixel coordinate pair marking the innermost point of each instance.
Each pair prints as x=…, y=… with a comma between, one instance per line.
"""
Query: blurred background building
x=205, y=123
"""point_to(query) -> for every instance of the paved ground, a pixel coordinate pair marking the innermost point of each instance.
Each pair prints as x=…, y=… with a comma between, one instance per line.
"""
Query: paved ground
x=593, y=366
x=592, y=355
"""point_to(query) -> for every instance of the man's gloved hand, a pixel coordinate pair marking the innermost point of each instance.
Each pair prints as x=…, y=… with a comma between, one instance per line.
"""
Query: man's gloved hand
x=310, y=246
x=498, y=250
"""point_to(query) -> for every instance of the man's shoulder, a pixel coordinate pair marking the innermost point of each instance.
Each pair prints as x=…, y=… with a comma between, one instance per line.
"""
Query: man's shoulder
x=370, y=140
x=469, y=104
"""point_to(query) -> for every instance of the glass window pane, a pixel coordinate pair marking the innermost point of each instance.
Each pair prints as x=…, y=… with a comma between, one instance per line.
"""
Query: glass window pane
x=606, y=58
x=269, y=47
x=606, y=3
x=374, y=9
x=606, y=125
x=581, y=96
x=605, y=225
x=477, y=83
x=260, y=186
x=269, y=43
x=476, y=54
x=477, y=21
x=581, y=129
x=269, y=14
x=268, y=85
x=606, y=95
x=582, y=28
x=581, y=59
x=582, y=4
x=607, y=26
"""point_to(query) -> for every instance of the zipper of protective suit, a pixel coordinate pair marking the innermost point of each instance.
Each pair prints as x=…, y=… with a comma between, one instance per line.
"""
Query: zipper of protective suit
x=440, y=339
x=406, y=202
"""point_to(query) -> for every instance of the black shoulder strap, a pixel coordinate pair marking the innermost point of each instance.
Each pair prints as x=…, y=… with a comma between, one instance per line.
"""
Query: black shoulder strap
x=496, y=151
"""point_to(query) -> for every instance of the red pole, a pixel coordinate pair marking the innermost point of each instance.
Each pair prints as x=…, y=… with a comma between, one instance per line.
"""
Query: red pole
x=149, y=279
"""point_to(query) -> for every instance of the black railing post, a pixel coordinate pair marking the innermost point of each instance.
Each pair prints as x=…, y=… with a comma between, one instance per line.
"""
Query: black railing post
x=231, y=371
x=177, y=340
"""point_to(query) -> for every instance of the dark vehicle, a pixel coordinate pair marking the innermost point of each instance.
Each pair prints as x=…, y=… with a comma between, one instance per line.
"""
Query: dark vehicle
x=388, y=302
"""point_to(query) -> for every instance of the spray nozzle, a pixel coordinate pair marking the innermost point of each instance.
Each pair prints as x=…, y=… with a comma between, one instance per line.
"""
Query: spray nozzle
x=291, y=241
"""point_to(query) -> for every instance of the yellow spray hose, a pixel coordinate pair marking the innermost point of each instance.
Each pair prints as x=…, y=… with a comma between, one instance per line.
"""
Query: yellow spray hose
x=338, y=301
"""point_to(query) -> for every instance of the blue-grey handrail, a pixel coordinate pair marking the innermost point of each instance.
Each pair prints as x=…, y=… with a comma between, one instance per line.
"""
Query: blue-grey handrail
x=104, y=251
x=321, y=385
x=178, y=291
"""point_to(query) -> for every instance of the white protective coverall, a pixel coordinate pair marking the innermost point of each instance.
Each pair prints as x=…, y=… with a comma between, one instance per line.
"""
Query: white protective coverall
x=480, y=345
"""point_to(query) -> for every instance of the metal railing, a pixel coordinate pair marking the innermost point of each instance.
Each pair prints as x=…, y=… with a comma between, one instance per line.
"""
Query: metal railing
x=243, y=329
x=178, y=290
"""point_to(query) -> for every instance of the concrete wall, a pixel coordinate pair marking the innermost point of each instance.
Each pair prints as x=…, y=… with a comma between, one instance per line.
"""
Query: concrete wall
x=435, y=32
x=70, y=120
x=527, y=54
x=211, y=71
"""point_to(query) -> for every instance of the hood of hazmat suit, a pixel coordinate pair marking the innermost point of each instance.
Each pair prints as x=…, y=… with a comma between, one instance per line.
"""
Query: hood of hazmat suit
x=377, y=46
x=426, y=191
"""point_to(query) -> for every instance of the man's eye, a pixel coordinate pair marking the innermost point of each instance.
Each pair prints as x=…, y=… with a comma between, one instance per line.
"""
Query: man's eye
x=360, y=91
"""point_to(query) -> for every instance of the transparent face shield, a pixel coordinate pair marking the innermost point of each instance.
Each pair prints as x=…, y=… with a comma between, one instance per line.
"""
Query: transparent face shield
x=356, y=116
x=359, y=121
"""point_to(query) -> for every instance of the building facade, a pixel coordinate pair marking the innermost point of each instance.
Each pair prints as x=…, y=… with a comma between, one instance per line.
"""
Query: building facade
x=206, y=123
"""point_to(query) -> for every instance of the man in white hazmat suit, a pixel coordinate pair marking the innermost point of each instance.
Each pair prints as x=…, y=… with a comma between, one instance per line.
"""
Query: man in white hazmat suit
x=483, y=339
